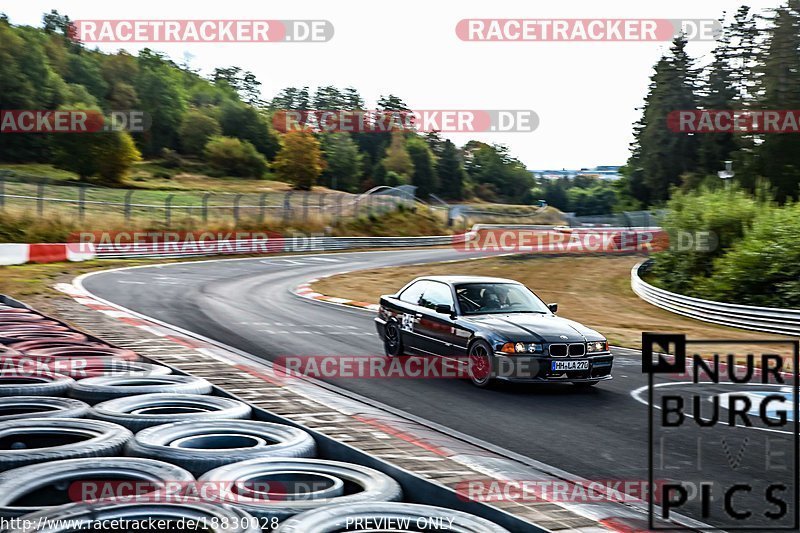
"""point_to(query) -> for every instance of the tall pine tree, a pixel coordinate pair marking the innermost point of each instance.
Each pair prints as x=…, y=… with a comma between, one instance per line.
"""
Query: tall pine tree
x=660, y=156
x=778, y=155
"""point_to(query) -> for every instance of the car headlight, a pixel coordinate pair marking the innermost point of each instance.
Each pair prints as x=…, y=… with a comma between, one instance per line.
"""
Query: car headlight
x=597, y=346
x=521, y=347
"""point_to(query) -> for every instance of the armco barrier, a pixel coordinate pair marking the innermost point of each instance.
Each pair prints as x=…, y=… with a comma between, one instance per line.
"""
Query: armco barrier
x=15, y=254
x=258, y=246
x=767, y=319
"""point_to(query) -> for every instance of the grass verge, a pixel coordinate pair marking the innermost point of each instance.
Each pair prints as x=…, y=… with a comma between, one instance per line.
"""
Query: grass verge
x=594, y=290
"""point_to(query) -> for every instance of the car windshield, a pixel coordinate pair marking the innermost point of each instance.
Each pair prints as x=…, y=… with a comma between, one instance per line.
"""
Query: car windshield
x=486, y=298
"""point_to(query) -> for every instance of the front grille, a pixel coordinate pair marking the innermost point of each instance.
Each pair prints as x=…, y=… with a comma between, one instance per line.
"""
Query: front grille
x=558, y=350
x=577, y=350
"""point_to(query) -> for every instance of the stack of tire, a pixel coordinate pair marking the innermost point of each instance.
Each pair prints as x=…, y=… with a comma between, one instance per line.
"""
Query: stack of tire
x=91, y=433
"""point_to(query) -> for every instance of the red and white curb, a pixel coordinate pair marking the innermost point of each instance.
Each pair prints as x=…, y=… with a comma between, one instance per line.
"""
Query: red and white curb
x=304, y=290
x=19, y=254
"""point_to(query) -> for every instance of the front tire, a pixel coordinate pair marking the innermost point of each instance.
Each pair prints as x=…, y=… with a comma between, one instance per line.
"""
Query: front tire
x=480, y=364
x=392, y=340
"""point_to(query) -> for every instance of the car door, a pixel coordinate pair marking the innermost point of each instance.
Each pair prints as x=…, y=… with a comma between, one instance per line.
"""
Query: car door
x=411, y=314
x=437, y=332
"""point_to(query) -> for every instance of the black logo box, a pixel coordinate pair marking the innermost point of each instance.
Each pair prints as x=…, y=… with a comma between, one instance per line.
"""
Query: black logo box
x=661, y=344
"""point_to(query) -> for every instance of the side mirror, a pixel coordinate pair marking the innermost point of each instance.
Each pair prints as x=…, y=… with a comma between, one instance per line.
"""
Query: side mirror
x=553, y=308
x=444, y=309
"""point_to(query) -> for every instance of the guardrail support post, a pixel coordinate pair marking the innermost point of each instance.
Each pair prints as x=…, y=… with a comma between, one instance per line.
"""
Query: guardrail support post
x=206, y=196
x=236, y=201
x=128, y=196
x=82, y=203
x=40, y=199
x=287, y=206
x=168, y=209
x=321, y=203
x=262, y=207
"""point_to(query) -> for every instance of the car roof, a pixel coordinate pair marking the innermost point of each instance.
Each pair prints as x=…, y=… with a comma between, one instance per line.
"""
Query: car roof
x=454, y=280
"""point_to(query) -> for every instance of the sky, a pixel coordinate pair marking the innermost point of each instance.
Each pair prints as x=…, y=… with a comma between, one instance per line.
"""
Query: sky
x=586, y=94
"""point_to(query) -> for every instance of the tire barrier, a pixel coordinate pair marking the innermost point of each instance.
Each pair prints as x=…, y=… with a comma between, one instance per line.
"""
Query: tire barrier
x=146, y=410
x=206, y=517
x=99, y=389
x=87, y=480
x=21, y=316
x=41, y=325
x=85, y=352
x=253, y=474
x=388, y=516
x=37, y=440
x=200, y=446
x=7, y=351
x=27, y=381
x=46, y=344
x=23, y=407
x=296, y=483
x=93, y=368
x=18, y=335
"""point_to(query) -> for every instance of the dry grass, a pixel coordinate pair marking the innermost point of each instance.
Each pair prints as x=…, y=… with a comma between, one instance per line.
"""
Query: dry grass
x=592, y=290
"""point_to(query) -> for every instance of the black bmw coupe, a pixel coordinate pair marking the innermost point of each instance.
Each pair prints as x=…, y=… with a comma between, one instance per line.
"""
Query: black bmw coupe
x=497, y=328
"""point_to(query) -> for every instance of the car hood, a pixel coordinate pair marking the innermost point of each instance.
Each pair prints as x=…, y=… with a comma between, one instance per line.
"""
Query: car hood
x=530, y=327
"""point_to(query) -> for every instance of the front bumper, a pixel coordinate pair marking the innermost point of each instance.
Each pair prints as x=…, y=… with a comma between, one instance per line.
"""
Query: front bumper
x=538, y=369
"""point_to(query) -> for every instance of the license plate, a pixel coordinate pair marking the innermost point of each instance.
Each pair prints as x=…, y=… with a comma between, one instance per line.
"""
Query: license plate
x=570, y=365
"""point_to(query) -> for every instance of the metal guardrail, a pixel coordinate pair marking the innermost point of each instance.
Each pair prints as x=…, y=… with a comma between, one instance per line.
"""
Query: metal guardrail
x=767, y=319
x=260, y=246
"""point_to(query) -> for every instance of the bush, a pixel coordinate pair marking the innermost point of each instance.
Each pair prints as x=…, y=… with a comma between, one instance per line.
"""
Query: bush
x=726, y=214
x=195, y=131
x=234, y=157
x=764, y=267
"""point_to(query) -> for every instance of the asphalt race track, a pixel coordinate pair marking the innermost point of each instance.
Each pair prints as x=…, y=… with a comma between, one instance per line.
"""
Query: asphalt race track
x=599, y=433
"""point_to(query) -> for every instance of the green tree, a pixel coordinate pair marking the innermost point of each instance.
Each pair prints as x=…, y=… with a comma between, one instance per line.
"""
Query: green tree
x=117, y=154
x=778, y=155
x=234, y=157
x=424, y=175
x=660, y=156
x=397, y=158
x=450, y=171
x=84, y=68
x=162, y=96
x=719, y=94
x=495, y=172
x=247, y=123
x=300, y=160
x=343, y=166
x=195, y=131
x=102, y=157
